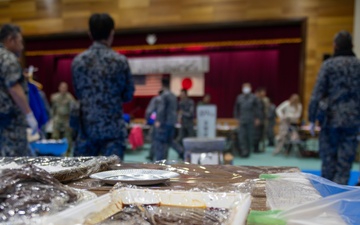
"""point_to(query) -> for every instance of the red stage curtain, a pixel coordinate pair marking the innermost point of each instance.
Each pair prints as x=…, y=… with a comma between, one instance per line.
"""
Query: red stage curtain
x=274, y=67
x=229, y=70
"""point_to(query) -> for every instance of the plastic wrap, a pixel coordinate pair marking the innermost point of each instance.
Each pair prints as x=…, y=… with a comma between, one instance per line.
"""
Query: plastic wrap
x=315, y=201
x=29, y=192
x=288, y=190
x=144, y=206
x=62, y=168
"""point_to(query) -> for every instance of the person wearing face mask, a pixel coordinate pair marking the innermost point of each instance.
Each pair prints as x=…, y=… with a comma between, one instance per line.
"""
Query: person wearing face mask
x=247, y=111
x=15, y=112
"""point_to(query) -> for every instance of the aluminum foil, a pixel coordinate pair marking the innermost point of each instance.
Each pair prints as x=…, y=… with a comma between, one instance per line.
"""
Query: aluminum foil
x=29, y=192
x=62, y=168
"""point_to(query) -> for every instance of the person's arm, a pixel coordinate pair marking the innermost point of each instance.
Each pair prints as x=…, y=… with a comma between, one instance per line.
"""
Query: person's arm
x=280, y=109
x=297, y=114
x=18, y=95
x=129, y=87
x=150, y=108
x=319, y=92
x=161, y=111
x=258, y=108
x=236, y=108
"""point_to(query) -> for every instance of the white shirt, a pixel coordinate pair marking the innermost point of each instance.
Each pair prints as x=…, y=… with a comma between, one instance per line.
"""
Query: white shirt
x=286, y=110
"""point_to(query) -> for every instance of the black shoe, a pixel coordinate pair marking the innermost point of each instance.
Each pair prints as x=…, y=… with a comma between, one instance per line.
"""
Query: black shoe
x=181, y=156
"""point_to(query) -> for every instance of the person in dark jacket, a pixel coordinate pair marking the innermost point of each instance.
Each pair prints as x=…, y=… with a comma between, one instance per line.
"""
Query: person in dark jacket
x=337, y=95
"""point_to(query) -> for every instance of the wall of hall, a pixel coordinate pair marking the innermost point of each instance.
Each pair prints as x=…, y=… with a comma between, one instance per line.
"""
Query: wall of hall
x=324, y=18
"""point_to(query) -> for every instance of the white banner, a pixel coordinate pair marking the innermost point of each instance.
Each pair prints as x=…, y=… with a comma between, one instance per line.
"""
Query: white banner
x=206, y=121
x=169, y=65
x=196, y=87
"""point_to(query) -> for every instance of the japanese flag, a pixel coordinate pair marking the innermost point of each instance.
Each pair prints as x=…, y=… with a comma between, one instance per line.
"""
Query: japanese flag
x=193, y=83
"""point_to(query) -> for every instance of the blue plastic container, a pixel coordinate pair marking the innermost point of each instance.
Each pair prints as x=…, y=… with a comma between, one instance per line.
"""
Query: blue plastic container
x=50, y=147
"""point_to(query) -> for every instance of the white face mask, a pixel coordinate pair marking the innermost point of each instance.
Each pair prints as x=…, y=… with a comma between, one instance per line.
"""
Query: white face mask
x=246, y=90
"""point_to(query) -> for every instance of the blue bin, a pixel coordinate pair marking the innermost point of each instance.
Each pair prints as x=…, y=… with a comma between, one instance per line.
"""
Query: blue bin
x=50, y=147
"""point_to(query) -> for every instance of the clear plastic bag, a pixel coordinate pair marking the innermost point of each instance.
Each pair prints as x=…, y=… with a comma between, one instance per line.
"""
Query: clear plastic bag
x=337, y=204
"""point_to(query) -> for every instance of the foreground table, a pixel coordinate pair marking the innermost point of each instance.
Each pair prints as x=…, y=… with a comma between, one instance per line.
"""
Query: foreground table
x=214, y=177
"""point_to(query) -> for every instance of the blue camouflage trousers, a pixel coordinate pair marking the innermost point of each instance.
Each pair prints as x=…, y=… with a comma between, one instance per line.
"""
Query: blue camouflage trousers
x=337, y=148
x=104, y=147
x=13, y=140
x=163, y=138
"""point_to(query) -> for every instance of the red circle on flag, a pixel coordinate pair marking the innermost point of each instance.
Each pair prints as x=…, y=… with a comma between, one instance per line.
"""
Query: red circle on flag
x=186, y=83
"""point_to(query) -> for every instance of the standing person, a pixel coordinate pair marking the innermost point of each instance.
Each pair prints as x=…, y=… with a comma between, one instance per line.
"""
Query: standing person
x=15, y=112
x=102, y=82
x=337, y=89
x=186, y=115
x=150, y=117
x=289, y=113
x=247, y=111
x=206, y=100
x=271, y=118
x=260, y=128
x=165, y=122
x=60, y=109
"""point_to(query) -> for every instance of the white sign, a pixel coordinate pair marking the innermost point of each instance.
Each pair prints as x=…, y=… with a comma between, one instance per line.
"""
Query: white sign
x=169, y=65
x=206, y=158
x=206, y=121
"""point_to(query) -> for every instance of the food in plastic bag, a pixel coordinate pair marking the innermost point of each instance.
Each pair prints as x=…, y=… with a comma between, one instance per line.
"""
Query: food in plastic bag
x=31, y=191
x=145, y=206
x=161, y=215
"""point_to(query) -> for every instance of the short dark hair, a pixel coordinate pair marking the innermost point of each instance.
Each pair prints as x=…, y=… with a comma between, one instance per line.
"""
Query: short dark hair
x=8, y=30
x=165, y=81
x=101, y=25
x=184, y=91
x=343, y=40
x=260, y=89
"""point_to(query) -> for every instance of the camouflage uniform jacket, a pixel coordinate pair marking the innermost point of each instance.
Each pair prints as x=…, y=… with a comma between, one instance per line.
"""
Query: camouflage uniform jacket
x=61, y=104
x=248, y=108
x=10, y=74
x=337, y=93
x=187, y=108
x=102, y=82
x=166, y=111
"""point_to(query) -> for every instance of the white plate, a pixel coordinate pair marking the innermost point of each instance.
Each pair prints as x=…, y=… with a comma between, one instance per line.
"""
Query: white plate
x=135, y=176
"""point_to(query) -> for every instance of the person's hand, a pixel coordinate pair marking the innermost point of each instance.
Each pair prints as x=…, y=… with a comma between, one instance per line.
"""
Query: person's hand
x=157, y=124
x=257, y=122
x=312, y=129
x=30, y=118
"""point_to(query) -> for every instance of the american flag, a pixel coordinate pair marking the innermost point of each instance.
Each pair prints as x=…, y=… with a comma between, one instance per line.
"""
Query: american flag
x=147, y=85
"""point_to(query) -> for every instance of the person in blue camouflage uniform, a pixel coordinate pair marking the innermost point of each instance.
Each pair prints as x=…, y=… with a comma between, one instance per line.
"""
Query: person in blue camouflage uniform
x=186, y=114
x=247, y=110
x=103, y=82
x=165, y=122
x=15, y=112
x=335, y=102
x=150, y=115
